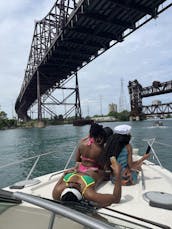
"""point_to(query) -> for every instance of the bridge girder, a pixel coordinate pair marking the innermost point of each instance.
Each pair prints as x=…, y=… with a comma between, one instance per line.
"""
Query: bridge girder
x=160, y=109
x=87, y=26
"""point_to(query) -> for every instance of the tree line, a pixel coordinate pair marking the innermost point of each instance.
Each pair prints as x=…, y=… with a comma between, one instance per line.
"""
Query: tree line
x=6, y=123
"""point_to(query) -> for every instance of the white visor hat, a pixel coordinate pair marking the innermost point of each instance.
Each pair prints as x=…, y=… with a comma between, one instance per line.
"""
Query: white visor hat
x=74, y=191
x=122, y=129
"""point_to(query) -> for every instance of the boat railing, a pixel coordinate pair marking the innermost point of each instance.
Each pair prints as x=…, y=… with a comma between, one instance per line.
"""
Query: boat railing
x=67, y=163
x=37, y=157
x=62, y=210
x=150, y=142
x=153, y=141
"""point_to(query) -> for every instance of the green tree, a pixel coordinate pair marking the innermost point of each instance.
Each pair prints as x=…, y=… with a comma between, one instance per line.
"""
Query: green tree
x=113, y=114
x=124, y=115
x=3, y=115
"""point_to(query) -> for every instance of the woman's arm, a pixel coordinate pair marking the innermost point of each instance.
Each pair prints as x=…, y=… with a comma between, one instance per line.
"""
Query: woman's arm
x=135, y=164
x=58, y=188
x=78, y=154
x=130, y=154
x=103, y=200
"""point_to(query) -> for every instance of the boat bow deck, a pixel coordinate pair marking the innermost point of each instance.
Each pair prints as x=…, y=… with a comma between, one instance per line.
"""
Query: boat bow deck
x=152, y=178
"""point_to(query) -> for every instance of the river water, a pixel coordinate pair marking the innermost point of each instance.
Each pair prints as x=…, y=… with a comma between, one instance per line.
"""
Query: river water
x=58, y=142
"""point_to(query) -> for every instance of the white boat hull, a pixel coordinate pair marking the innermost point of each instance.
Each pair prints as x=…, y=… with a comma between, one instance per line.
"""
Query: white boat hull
x=152, y=178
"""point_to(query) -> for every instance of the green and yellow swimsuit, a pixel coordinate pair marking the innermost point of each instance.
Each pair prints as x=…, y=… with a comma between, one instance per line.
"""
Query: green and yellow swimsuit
x=86, y=179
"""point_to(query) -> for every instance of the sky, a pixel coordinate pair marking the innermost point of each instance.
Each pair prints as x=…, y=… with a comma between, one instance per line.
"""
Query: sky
x=145, y=55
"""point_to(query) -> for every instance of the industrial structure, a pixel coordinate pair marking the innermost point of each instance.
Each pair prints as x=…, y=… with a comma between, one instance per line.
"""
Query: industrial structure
x=137, y=93
x=71, y=35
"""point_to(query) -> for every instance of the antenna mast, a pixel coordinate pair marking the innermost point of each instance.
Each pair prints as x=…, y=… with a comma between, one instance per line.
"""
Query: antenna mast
x=122, y=99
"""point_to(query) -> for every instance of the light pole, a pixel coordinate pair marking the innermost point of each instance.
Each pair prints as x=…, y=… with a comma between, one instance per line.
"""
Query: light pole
x=101, y=105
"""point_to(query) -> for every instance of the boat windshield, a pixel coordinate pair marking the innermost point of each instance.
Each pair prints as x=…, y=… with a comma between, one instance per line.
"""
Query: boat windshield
x=49, y=214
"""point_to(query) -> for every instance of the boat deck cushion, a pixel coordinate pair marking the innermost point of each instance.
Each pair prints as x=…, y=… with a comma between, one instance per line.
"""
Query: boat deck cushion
x=159, y=199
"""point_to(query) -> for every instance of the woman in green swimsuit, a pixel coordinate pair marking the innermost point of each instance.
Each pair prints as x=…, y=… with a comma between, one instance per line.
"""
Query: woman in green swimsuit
x=75, y=186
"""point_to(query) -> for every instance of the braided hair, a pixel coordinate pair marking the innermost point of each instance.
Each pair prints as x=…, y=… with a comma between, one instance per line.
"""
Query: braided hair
x=98, y=133
x=115, y=144
x=108, y=131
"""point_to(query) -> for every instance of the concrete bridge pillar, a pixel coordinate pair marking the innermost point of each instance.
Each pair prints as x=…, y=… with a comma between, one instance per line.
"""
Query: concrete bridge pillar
x=39, y=97
x=135, y=118
x=39, y=124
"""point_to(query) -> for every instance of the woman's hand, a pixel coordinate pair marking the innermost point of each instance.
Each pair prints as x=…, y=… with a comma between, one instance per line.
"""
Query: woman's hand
x=116, y=167
x=146, y=156
x=137, y=164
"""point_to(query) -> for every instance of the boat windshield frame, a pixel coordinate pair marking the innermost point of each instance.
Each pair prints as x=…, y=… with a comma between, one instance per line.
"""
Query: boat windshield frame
x=86, y=220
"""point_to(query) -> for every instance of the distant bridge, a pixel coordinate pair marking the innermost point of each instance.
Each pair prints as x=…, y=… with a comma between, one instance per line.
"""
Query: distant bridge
x=137, y=93
x=70, y=36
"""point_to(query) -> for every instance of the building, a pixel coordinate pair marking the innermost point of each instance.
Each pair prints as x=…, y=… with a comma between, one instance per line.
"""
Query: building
x=104, y=119
x=156, y=102
x=112, y=107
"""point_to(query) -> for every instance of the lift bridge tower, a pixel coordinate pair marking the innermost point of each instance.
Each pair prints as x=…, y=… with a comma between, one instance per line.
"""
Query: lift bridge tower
x=135, y=91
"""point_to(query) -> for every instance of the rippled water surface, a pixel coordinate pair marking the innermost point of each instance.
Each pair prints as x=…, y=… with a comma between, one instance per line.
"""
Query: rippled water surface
x=60, y=141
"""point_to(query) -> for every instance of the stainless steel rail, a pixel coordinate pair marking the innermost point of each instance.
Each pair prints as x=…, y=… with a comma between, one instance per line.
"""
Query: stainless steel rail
x=37, y=157
x=36, y=162
x=150, y=143
x=69, y=213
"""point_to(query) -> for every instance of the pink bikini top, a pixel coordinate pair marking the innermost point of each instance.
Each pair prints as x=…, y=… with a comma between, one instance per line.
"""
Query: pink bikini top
x=90, y=141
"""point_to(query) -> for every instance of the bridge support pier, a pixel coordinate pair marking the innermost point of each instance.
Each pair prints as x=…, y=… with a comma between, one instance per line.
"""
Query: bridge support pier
x=39, y=97
x=135, y=118
x=77, y=100
x=69, y=98
x=39, y=122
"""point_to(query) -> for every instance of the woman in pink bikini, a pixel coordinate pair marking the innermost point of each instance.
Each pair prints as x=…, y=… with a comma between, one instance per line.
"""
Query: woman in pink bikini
x=89, y=155
x=77, y=186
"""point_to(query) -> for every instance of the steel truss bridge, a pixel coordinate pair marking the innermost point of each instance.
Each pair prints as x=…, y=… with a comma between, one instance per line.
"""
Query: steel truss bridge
x=70, y=36
x=137, y=93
